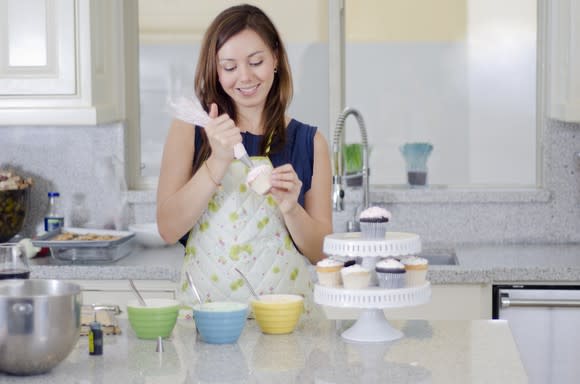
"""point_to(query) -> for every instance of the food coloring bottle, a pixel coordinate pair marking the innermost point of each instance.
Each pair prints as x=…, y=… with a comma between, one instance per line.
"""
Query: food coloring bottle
x=54, y=219
x=95, y=338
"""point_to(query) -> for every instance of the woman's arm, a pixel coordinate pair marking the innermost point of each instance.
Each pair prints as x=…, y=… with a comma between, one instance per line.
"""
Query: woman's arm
x=310, y=224
x=181, y=198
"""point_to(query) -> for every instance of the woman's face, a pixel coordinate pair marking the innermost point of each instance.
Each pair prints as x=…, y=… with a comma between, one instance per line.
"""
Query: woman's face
x=246, y=69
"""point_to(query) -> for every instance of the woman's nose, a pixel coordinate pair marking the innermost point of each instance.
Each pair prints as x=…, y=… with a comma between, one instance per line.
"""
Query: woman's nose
x=245, y=72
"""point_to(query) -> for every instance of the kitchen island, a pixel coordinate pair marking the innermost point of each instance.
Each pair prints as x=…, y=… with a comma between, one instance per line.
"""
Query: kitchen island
x=481, y=351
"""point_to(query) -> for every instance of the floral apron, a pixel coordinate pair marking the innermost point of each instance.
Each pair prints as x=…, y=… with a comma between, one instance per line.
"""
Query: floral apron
x=241, y=229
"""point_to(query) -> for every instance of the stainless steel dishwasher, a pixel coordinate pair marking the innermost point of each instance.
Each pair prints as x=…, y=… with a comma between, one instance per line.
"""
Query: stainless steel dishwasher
x=545, y=323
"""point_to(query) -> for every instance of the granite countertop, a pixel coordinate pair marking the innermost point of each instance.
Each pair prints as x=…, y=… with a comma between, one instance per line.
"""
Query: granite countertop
x=481, y=351
x=162, y=263
x=477, y=264
x=512, y=263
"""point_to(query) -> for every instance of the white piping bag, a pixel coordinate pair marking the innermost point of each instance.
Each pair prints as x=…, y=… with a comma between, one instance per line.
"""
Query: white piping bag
x=190, y=111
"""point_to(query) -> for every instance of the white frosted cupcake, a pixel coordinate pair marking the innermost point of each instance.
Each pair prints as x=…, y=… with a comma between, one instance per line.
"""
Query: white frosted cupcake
x=355, y=277
x=390, y=273
x=416, y=270
x=259, y=179
x=328, y=272
x=373, y=222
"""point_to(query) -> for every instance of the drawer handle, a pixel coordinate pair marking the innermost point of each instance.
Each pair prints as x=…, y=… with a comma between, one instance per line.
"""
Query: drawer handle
x=507, y=302
x=107, y=307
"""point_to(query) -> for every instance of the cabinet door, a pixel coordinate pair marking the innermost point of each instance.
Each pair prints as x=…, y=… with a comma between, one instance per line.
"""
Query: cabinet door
x=39, y=53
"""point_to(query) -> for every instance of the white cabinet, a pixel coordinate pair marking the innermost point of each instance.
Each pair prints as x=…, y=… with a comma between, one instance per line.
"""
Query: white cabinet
x=118, y=292
x=448, y=302
x=62, y=61
x=563, y=59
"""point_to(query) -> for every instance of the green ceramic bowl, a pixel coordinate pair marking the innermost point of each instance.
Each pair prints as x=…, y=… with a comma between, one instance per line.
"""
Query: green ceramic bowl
x=156, y=319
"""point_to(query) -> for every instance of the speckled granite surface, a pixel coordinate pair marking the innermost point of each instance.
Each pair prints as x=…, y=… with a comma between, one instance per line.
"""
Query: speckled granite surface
x=141, y=264
x=477, y=351
x=540, y=263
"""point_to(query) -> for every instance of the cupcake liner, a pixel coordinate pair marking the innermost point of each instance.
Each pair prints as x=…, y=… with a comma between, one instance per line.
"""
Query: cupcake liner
x=371, y=230
x=356, y=280
x=415, y=277
x=391, y=280
x=329, y=279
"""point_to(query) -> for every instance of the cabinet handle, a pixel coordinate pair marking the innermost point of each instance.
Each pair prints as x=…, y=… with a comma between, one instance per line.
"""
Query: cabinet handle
x=507, y=302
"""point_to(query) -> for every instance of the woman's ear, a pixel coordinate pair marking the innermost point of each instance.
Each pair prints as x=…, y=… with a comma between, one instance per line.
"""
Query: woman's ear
x=276, y=60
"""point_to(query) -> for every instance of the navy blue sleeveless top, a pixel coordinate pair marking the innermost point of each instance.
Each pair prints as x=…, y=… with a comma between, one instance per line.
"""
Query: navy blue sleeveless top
x=298, y=151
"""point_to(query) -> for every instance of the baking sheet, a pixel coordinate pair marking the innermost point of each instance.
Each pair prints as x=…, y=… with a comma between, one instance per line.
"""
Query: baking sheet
x=87, y=251
x=46, y=240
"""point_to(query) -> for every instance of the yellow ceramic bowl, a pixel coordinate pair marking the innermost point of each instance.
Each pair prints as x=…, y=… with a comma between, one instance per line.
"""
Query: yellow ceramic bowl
x=278, y=314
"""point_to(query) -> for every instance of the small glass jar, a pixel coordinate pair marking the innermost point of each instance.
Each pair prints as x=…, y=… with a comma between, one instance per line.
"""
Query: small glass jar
x=79, y=213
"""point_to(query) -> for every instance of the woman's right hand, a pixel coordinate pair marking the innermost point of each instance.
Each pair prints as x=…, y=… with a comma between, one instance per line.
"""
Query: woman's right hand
x=222, y=134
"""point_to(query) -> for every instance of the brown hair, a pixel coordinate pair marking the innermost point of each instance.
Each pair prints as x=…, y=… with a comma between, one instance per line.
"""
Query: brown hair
x=208, y=89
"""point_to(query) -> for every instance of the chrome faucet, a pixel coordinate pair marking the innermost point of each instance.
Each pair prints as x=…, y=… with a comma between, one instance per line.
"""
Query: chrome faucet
x=338, y=169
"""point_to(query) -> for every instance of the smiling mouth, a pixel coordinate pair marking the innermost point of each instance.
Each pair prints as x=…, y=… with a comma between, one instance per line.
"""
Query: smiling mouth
x=248, y=91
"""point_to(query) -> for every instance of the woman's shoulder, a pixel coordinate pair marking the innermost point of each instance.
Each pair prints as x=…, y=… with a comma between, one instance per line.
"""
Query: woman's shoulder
x=297, y=124
x=301, y=131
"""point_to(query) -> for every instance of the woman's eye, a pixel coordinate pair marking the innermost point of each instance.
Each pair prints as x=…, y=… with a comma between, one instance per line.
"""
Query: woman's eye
x=255, y=64
x=229, y=69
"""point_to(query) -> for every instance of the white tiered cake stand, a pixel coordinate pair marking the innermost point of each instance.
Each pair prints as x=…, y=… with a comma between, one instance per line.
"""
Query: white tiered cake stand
x=372, y=326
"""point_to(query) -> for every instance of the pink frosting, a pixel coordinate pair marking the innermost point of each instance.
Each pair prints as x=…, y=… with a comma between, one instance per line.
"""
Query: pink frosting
x=256, y=171
x=375, y=212
x=414, y=260
x=328, y=262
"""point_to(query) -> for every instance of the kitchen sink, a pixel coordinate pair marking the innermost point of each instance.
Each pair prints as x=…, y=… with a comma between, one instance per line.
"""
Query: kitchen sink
x=440, y=256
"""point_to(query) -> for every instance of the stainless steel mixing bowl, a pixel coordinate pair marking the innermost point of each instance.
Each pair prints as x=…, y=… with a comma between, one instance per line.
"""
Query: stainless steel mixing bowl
x=40, y=322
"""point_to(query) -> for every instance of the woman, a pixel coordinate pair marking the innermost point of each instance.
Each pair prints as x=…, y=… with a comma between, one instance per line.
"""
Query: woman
x=243, y=81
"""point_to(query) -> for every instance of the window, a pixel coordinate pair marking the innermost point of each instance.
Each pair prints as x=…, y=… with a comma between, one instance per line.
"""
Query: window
x=460, y=74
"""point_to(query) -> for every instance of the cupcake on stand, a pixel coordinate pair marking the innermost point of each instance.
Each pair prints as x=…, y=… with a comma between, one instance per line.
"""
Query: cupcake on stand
x=372, y=246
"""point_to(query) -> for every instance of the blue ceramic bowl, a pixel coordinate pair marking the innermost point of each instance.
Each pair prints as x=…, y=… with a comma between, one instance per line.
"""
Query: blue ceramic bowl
x=221, y=322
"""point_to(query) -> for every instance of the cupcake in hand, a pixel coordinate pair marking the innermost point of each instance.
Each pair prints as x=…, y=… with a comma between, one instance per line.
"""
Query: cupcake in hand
x=259, y=179
x=390, y=273
x=373, y=222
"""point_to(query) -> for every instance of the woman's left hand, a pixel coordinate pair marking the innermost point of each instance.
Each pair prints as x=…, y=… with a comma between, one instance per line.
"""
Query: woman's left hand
x=285, y=187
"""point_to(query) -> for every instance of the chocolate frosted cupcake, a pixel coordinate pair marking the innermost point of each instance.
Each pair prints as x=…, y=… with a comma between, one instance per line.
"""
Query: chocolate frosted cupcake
x=390, y=273
x=373, y=222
